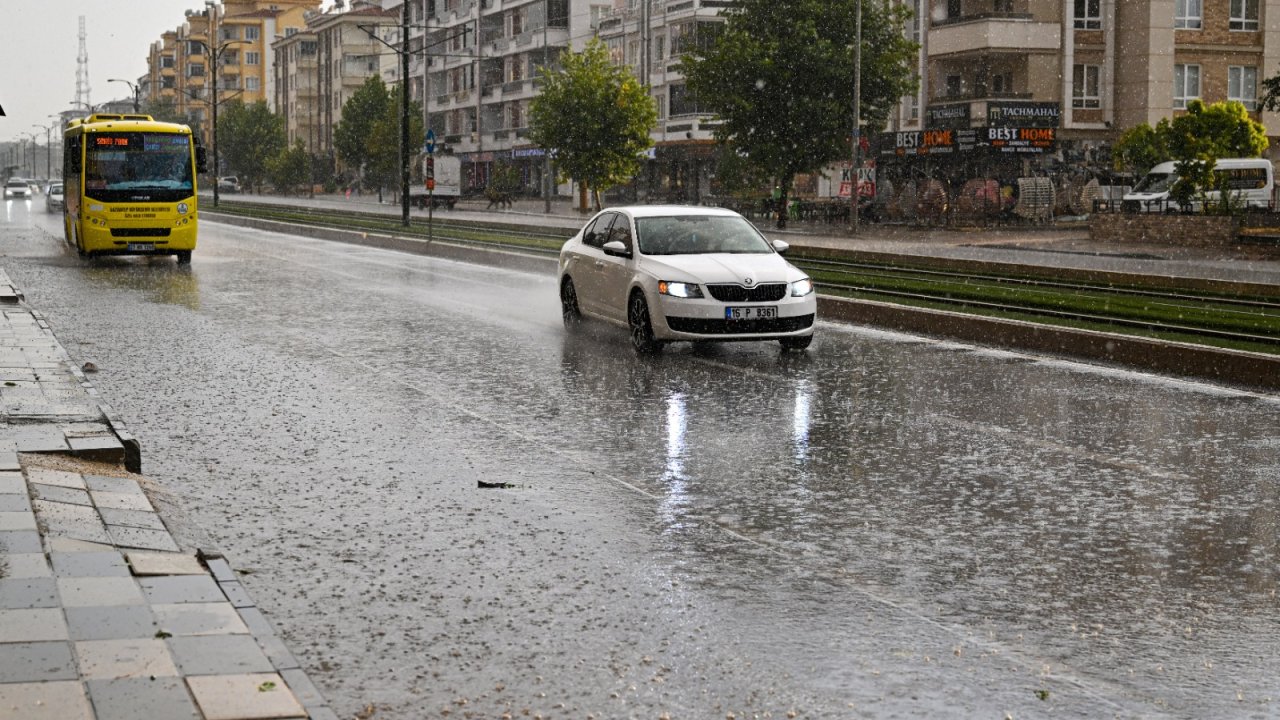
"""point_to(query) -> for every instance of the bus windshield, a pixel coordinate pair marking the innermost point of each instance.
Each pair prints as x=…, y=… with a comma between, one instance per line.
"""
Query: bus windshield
x=138, y=166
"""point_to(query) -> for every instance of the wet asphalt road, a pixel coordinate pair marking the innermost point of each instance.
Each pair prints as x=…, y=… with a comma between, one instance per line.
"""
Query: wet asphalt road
x=884, y=526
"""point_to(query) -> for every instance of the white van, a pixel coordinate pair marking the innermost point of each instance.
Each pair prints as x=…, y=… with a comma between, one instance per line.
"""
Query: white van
x=1251, y=180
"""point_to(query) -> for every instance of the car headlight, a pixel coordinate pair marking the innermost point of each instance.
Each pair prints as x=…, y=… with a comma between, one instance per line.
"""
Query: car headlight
x=800, y=288
x=679, y=289
x=182, y=208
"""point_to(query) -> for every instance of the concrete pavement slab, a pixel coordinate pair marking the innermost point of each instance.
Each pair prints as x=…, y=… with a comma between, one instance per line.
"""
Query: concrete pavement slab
x=36, y=662
x=143, y=562
x=251, y=696
x=218, y=654
x=163, y=698
x=25, y=565
x=18, y=593
x=99, y=591
x=89, y=564
x=60, y=700
x=183, y=619
x=137, y=658
x=32, y=625
x=118, y=622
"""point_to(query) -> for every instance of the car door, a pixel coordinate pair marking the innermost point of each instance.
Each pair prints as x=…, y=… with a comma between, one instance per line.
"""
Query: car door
x=586, y=269
x=615, y=271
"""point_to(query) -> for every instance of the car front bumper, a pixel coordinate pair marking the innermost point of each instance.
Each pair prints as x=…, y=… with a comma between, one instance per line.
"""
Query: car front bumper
x=705, y=319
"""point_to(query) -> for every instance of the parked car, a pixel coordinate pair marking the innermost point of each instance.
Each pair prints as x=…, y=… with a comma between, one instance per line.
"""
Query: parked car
x=53, y=199
x=229, y=184
x=17, y=188
x=670, y=273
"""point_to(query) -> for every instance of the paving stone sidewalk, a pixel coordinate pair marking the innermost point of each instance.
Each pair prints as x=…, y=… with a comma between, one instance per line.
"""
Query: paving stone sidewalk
x=102, y=614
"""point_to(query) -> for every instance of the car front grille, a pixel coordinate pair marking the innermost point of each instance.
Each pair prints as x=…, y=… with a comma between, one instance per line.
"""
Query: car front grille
x=768, y=292
x=702, y=326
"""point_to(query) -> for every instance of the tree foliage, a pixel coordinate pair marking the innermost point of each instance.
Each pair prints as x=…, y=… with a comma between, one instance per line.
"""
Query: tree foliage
x=248, y=136
x=367, y=138
x=290, y=168
x=1196, y=140
x=594, y=117
x=780, y=76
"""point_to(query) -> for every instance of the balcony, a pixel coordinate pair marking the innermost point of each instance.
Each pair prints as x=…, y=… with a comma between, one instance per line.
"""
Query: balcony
x=980, y=34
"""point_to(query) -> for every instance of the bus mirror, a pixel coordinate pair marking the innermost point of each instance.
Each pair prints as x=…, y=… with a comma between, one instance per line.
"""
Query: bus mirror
x=71, y=157
x=200, y=159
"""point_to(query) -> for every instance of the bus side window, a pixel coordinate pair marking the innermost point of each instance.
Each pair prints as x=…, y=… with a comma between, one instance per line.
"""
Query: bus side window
x=71, y=157
x=200, y=155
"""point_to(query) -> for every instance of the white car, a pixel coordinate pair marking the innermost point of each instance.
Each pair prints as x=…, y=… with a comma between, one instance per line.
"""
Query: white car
x=670, y=273
x=53, y=199
x=17, y=188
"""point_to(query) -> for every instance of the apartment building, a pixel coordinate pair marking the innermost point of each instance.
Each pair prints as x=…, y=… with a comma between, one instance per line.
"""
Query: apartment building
x=1019, y=87
x=650, y=36
x=229, y=41
x=319, y=68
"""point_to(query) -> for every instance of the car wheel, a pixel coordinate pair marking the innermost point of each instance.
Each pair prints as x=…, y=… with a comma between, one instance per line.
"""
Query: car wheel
x=641, y=328
x=796, y=343
x=184, y=257
x=569, y=304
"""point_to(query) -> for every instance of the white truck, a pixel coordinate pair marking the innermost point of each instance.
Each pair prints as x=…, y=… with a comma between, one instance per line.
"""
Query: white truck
x=446, y=171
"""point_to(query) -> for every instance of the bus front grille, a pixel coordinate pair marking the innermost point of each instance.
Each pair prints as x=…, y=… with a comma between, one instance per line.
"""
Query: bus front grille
x=139, y=232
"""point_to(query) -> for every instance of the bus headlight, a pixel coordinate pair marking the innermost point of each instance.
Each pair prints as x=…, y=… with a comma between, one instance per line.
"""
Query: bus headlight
x=182, y=208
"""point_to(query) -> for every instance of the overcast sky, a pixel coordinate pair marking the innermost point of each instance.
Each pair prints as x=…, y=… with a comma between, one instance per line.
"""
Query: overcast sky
x=39, y=42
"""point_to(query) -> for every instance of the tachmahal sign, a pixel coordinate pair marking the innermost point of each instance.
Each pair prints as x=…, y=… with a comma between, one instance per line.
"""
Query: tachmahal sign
x=943, y=142
x=1023, y=114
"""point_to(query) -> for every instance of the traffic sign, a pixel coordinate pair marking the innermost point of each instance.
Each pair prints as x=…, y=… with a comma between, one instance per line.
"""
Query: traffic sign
x=431, y=141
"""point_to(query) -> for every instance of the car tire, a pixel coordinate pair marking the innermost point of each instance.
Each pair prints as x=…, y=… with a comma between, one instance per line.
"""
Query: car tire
x=641, y=327
x=795, y=343
x=184, y=257
x=569, y=304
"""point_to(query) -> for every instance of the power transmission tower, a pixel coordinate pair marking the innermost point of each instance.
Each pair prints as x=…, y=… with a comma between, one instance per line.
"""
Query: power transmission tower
x=82, y=71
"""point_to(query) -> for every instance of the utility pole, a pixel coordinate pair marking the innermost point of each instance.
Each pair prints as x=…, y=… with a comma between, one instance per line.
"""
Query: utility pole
x=547, y=182
x=404, y=114
x=214, y=52
x=132, y=88
x=856, y=160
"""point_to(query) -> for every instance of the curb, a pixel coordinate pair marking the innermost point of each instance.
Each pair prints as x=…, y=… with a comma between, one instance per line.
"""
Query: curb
x=1231, y=367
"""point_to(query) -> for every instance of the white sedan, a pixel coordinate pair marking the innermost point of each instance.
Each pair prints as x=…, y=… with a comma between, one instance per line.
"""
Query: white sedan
x=670, y=273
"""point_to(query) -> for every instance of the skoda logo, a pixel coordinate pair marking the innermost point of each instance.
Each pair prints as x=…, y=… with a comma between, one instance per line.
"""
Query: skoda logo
x=748, y=281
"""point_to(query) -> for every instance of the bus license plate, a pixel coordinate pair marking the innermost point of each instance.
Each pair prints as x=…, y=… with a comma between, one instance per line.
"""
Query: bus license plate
x=751, y=313
x=141, y=247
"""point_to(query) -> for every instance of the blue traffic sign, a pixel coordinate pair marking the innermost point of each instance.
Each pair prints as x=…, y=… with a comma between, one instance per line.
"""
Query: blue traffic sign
x=431, y=141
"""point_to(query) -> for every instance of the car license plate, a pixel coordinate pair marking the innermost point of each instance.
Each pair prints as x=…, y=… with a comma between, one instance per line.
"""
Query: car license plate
x=751, y=313
x=141, y=247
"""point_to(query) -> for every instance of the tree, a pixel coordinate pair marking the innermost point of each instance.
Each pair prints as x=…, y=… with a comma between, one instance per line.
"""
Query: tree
x=248, y=136
x=1196, y=140
x=368, y=136
x=594, y=118
x=290, y=168
x=780, y=78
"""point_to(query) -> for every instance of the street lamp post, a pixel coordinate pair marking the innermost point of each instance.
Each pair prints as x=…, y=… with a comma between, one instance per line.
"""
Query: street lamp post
x=132, y=88
x=856, y=160
x=48, y=149
x=214, y=53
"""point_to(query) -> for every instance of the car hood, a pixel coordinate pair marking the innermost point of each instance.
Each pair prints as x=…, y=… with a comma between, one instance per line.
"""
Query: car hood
x=724, y=268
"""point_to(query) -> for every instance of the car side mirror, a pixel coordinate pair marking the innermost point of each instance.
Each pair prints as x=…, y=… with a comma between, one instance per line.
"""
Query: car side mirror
x=781, y=246
x=616, y=248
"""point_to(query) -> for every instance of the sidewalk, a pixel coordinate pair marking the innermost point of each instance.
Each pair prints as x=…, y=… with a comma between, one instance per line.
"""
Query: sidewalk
x=102, y=614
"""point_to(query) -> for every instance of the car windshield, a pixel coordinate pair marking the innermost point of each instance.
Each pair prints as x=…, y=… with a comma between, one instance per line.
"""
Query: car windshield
x=1156, y=183
x=697, y=234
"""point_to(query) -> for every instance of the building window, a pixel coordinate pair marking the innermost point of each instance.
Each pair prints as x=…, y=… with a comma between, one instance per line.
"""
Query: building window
x=1084, y=87
x=252, y=58
x=195, y=47
x=1187, y=14
x=955, y=86
x=1002, y=83
x=1186, y=85
x=1244, y=15
x=913, y=108
x=251, y=33
x=1088, y=14
x=195, y=70
x=1242, y=86
x=251, y=84
x=166, y=61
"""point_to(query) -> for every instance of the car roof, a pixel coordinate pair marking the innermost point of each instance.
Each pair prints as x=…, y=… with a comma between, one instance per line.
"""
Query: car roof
x=670, y=210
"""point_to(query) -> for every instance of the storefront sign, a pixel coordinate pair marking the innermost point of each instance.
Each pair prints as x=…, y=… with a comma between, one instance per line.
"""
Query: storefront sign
x=947, y=116
x=1022, y=139
x=1019, y=114
x=937, y=143
x=927, y=142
